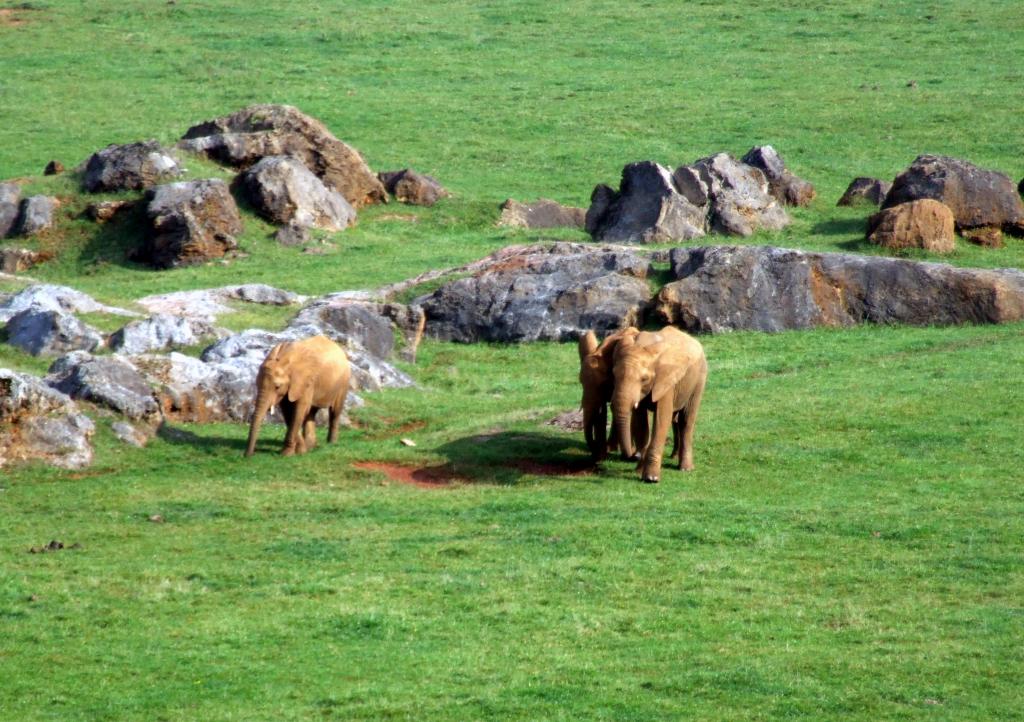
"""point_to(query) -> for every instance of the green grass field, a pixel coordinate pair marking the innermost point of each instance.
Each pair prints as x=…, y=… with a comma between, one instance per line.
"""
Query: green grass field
x=849, y=547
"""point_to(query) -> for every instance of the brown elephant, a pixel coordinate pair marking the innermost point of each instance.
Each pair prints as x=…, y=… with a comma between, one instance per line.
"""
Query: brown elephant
x=301, y=377
x=664, y=372
x=597, y=381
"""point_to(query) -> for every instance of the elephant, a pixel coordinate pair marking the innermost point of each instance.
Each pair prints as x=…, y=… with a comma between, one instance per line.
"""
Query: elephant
x=664, y=372
x=597, y=381
x=301, y=377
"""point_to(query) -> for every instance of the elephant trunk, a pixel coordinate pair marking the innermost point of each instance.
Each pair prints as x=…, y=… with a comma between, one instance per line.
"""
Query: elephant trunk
x=622, y=411
x=263, y=403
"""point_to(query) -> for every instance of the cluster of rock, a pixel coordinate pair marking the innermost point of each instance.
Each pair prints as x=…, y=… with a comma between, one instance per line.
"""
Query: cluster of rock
x=556, y=292
x=292, y=169
x=935, y=197
x=140, y=384
x=715, y=194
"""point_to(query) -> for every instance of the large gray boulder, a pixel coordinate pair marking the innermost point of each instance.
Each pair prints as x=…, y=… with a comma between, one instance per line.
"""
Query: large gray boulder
x=191, y=222
x=133, y=166
x=190, y=390
x=10, y=197
x=537, y=293
x=647, y=208
x=160, y=332
x=245, y=137
x=738, y=195
x=726, y=288
x=284, y=191
x=46, y=297
x=979, y=198
x=109, y=381
x=40, y=423
x=36, y=215
x=50, y=333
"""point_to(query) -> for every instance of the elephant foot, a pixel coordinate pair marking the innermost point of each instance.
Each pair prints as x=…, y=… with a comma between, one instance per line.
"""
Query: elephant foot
x=288, y=452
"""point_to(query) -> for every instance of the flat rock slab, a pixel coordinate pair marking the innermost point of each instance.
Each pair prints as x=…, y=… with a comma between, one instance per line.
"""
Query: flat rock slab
x=535, y=293
x=207, y=304
x=245, y=137
x=541, y=213
x=191, y=222
x=46, y=297
x=41, y=423
x=133, y=166
x=761, y=288
x=109, y=381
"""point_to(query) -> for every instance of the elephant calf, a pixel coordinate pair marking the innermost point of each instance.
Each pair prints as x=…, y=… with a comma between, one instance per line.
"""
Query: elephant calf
x=301, y=377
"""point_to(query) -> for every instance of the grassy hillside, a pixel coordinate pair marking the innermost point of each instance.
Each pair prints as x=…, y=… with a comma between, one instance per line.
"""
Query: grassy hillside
x=849, y=546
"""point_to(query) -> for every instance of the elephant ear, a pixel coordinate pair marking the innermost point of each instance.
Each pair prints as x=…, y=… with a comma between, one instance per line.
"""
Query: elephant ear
x=588, y=344
x=299, y=381
x=669, y=371
x=275, y=352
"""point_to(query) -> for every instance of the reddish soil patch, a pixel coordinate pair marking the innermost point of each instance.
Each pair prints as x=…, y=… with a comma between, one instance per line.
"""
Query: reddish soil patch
x=579, y=467
x=8, y=18
x=425, y=477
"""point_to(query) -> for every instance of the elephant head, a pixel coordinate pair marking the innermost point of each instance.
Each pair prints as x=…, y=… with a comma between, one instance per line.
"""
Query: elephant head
x=273, y=381
x=597, y=381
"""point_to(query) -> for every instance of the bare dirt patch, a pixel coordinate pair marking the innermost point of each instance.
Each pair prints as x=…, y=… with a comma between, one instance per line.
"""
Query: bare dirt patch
x=13, y=17
x=425, y=477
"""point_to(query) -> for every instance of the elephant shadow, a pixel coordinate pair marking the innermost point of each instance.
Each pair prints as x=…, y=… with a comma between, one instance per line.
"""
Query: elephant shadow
x=506, y=457
x=176, y=435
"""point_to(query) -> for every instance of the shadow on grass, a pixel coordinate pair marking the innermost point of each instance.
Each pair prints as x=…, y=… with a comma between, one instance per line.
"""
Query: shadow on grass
x=213, y=444
x=507, y=457
x=841, y=227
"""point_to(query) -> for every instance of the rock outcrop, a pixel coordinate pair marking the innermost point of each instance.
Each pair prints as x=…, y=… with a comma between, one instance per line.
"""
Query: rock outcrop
x=979, y=198
x=284, y=191
x=50, y=333
x=761, y=288
x=40, y=423
x=785, y=187
x=740, y=203
x=865, y=191
x=18, y=260
x=133, y=166
x=535, y=293
x=245, y=137
x=160, y=332
x=413, y=188
x=109, y=381
x=923, y=224
x=46, y=297
x=647, y=208
x=542, y=213
x=191, y=222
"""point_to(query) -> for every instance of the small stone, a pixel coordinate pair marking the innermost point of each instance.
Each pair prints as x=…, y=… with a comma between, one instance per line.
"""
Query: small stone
x=292, y=234
x=103, y=211
x=54, y=167
x=987, y=236
x=408, y=442
x=156, y=518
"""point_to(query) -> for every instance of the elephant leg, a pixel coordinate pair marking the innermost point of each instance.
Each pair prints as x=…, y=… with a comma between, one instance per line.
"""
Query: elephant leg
x=689, y=420
x=650, y=470
x=336, y=408
x=293, y=441
x=676, y=426
x=288, y=412
x=309, y=430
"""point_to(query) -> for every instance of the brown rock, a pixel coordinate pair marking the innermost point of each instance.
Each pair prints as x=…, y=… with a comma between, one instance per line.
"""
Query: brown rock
x=977, y=197
x=865, y=191
x=103, y=211
x=191, y=222
x=416, y=189
x=54, y=167
x=987, y=236
x=18, y=260
x=924, y=223
x=245, y=137
x=542, y=213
